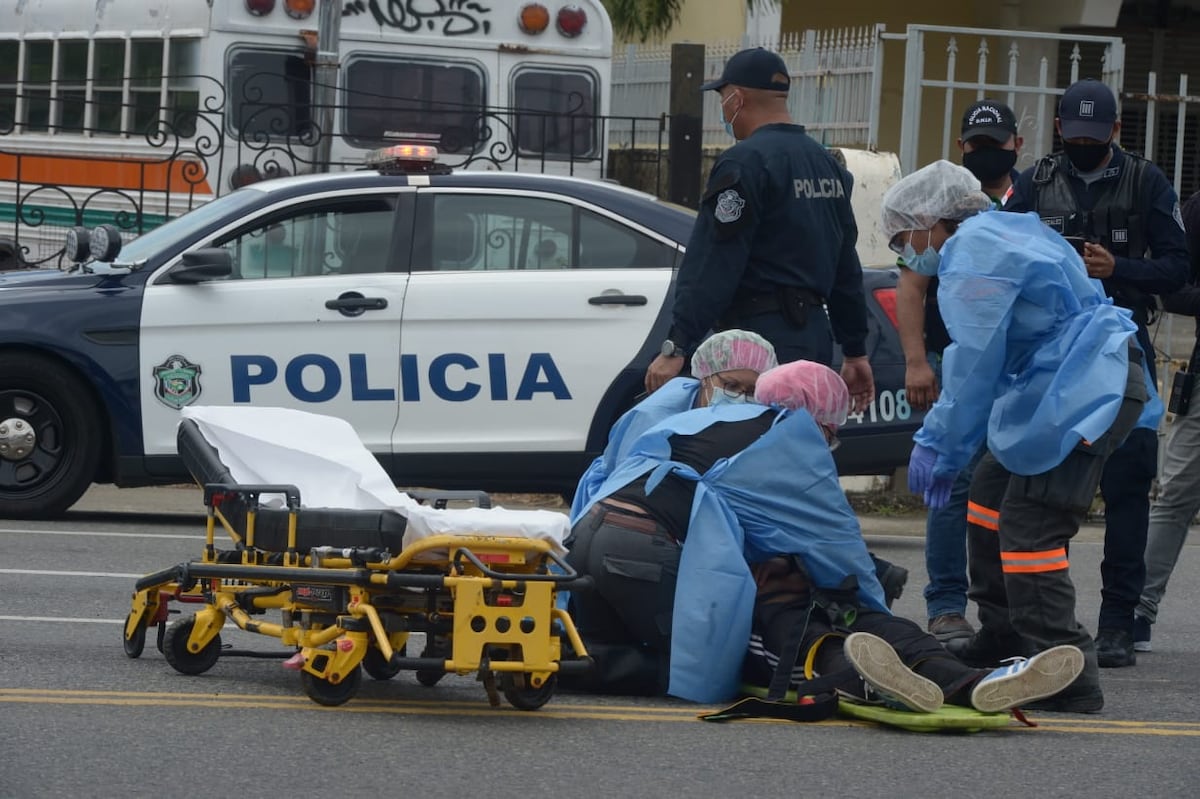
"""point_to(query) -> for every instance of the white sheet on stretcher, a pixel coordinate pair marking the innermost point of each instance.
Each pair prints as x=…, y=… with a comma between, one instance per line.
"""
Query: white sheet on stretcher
x=324, y=458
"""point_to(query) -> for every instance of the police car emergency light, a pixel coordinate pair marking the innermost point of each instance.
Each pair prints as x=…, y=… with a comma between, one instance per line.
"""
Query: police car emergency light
x=102, y=243
x=406, y=159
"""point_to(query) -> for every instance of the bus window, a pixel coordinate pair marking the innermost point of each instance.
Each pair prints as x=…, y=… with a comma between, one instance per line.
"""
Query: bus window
x=269, y=92
x=556, y=113
x=9, y=53
x=72, y=84
x=39, y=57
x=109, y=71
x=435, y=101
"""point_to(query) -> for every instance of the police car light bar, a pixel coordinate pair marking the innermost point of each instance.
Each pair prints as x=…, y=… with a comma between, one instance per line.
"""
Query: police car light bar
x=399, y=159
x=401, y=152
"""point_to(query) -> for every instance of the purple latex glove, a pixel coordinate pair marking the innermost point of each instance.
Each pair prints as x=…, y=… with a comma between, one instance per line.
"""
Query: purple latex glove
x=920, y=469
x=938, y=493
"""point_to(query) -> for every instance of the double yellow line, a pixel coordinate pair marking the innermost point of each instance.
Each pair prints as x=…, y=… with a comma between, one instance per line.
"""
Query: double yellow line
x=557, y=709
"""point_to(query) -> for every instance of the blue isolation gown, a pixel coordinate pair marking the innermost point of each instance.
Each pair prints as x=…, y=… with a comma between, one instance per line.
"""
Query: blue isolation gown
x=780, y=495
x=1039, y=352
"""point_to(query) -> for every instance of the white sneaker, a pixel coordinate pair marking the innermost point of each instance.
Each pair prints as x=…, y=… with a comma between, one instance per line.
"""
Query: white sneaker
x=879, y=665
x=1023, y=681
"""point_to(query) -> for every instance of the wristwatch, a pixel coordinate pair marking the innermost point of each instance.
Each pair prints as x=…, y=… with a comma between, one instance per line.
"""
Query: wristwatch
x=671, y=350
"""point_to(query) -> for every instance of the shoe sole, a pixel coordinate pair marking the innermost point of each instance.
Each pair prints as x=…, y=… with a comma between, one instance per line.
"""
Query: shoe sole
x=1047, y=674
x=877, y=663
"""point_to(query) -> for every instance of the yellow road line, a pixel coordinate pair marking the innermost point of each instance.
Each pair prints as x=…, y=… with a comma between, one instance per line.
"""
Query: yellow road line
x=38, y=696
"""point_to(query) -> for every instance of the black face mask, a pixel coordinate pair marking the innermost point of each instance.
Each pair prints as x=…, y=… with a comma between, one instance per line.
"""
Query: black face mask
x=1086, y=157
x=989, y=163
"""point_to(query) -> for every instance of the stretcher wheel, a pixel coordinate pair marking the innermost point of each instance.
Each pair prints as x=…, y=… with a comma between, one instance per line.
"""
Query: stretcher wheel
x=377, y=666
x=524, y=697
x=135, y=643
x=429, y=677
x=176, y=652
x=323, y=692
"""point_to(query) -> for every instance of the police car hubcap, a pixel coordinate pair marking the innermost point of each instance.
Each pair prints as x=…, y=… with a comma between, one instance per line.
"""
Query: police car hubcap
x=17, y=439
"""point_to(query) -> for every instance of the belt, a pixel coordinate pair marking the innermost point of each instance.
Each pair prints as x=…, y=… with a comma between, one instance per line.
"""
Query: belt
x=618, y=516
x=772, y=302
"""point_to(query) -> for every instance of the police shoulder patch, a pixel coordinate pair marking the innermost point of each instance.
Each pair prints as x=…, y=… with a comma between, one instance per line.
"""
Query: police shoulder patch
x=729, y=206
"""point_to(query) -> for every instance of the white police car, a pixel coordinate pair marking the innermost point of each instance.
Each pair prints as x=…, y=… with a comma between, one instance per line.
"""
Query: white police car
x=479, y=330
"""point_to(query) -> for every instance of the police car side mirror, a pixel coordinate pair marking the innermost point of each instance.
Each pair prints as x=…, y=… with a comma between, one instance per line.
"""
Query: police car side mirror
x=199, y=266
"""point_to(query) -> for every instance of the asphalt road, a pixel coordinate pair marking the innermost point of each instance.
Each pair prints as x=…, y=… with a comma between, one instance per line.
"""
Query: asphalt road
x=77, y=718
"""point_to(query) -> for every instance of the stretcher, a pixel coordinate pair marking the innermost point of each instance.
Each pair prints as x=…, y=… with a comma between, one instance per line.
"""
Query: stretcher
x=350, y=585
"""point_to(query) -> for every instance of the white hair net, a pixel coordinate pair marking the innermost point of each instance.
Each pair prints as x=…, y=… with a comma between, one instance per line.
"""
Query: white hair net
x=733, y=349
x=941, y=190
x=809, y=385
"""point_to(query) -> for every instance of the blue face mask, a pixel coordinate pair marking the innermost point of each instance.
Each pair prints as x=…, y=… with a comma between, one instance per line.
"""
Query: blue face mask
x=720, y=397
x=923, y=263
x=728, y=123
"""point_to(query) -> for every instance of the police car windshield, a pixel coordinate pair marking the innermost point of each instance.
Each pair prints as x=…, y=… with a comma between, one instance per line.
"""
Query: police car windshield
x=181, y=230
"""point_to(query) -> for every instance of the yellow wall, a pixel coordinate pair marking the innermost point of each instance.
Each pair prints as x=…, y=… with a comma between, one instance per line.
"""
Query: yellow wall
x=709, y=21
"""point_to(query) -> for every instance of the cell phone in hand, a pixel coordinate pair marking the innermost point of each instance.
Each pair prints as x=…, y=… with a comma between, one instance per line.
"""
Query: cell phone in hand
x=1077, y=242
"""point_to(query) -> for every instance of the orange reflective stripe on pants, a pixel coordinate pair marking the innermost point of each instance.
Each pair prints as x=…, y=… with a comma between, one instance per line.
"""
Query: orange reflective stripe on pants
x=983, y=516
x=1047, y=560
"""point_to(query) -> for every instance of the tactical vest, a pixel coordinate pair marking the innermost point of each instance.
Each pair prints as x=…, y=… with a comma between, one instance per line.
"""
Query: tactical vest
x=1115, y=221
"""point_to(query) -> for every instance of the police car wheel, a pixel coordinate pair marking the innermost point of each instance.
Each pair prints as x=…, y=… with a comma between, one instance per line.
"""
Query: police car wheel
x=50, y=436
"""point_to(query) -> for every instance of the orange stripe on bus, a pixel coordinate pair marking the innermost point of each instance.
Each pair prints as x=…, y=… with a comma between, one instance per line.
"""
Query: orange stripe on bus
x=103, y=173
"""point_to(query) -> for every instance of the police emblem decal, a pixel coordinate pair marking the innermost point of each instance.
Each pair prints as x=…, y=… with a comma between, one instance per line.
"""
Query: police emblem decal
x=1086, y=108
x=177, y=382
x=1120, y=236
x=729, y=206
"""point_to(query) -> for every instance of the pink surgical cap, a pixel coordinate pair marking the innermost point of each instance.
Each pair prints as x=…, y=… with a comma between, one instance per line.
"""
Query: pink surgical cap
x=733, y=349
x=809, y=385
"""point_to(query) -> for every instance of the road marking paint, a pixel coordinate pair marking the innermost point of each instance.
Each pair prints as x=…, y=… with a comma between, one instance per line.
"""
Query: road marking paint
x=97, y=534
x=466, y=708
x=53, y=573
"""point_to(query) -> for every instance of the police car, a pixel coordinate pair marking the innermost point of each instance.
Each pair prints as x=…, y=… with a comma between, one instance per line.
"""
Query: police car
x=478, y=329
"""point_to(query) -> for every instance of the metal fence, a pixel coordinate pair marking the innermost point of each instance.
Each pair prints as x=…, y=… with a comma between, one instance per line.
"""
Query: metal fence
x=54, y=176
x=836, y=78
x=1023, y=74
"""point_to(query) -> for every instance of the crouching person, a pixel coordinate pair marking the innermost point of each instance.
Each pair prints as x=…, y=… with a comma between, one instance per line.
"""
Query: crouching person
x=806, y=623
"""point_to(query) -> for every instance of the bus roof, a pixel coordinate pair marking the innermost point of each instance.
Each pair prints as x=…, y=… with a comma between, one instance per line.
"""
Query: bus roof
x=478, y=24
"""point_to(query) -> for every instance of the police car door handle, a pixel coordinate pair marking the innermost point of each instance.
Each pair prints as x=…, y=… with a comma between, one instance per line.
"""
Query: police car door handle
x=353, y=305
x=617, y=299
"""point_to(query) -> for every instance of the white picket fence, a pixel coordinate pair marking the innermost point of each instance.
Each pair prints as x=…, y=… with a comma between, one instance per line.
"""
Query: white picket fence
x=835, y=85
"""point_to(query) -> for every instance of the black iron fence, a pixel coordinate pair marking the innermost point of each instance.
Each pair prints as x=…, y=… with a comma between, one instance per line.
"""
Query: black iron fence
x=68, y=160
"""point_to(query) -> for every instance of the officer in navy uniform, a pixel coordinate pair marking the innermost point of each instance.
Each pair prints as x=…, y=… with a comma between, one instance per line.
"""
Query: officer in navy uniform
x=1123, y=216
x=774, y=239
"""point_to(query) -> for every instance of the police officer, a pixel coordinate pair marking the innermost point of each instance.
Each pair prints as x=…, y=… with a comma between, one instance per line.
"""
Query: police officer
x=1123, y=216
x=774, y=240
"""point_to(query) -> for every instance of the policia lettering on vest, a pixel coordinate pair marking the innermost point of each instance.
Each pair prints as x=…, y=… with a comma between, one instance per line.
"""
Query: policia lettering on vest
x=774, y=241
x=1123, y=216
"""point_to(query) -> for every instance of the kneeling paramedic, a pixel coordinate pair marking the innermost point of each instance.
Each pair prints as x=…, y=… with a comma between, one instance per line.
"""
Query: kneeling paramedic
x=802, y=629
x=671, y=532
x=1046, y=369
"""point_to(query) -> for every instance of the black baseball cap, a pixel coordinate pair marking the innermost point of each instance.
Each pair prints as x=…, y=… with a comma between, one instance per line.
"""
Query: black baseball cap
x=1087, y=110
x=989, y=118
x=755, y=68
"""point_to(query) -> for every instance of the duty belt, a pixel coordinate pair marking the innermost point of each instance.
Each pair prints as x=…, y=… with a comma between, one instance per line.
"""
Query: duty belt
x=772, y=302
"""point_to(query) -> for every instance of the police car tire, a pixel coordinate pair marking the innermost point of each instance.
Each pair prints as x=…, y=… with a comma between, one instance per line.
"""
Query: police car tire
x=67, y=400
